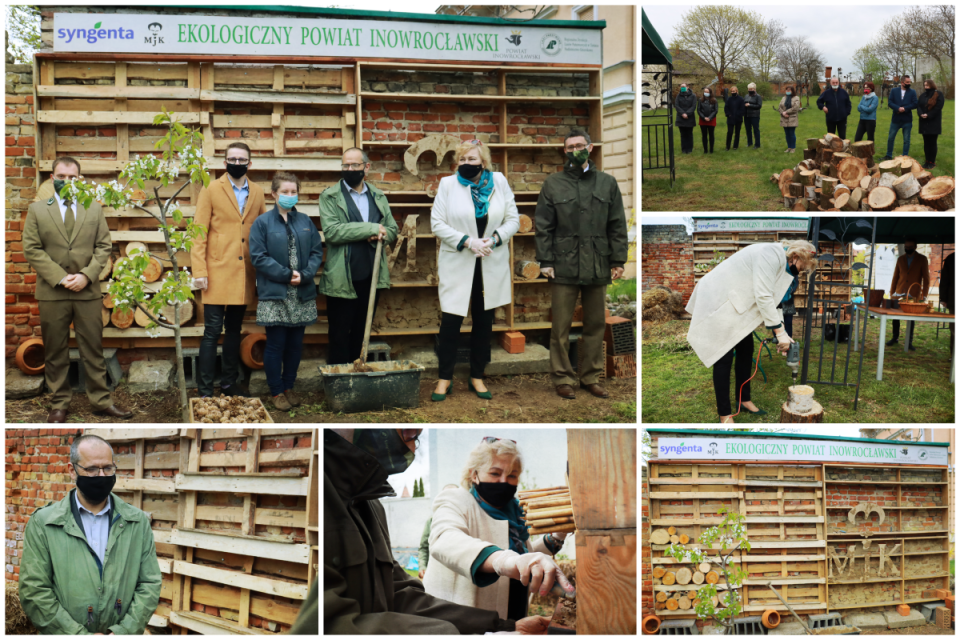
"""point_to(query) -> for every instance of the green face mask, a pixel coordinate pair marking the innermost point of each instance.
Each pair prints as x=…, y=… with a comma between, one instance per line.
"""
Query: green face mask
x=578, y=157
x=58, y=185
x=386, y=446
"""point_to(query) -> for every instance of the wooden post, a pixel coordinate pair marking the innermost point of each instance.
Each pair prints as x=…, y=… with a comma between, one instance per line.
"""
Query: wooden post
x=248, y=527
x=188, y=517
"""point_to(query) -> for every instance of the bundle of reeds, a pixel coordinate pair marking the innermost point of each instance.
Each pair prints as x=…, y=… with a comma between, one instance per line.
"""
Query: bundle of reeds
x=16, y=621
x=547, y=510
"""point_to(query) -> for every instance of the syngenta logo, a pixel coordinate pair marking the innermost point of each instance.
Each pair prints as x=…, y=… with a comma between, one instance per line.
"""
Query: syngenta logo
x=679, y=449
x=92, y=35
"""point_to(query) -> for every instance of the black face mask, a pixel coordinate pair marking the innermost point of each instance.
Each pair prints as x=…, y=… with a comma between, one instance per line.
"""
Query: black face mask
x=386, y=446
x=352, y=178
x=794, y=270
x=909, y=251
x=469, y=171
x=498, y=494
x=96, y=488
x=236, y=171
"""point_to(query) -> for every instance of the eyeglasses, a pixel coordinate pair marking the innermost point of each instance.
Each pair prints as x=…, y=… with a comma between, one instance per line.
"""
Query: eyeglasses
x=579, y=147
x=491, y=440
x=108, y=470
x=240, y=161
x=356, y=166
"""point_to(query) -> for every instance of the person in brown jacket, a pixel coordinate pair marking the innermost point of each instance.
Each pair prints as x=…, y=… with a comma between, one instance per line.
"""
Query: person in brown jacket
x=222, y=267
x=912, y=268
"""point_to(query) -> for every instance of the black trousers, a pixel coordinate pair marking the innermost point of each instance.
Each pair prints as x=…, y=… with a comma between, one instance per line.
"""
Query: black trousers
x=788, y=323
x=731, y=126
x=753, y=131
x=839, y=128
x=706, y=134
x=865, y=127
x=218, y=318
x=686, y=139
x=480, y=333
x=347, y=318
x=721, y=375
x=896, y=332
x=930, y=147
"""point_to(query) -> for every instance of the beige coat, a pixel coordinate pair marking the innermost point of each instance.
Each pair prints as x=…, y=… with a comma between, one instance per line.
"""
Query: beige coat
x=223, y=255
x=905, y=277
x=735, y=297
x=788, y=115
x=461, y=529
x=53, y=255
x=453, y=217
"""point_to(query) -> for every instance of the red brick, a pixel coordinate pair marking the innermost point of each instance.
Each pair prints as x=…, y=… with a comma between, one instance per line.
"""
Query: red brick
x=196, y=606
x=231, y=133
x=436, y=128
x=303, y=442
x=383, y=126
x=220, y=446
x=213, y=611
x=26, y=141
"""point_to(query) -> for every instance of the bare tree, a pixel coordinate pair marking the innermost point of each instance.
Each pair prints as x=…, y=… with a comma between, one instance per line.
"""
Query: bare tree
x=764, y=50
x=895, y=47
x=721, y=35
x=932, y=31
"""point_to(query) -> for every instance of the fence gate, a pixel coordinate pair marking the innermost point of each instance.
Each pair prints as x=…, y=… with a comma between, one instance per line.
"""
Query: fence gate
x=658, y=152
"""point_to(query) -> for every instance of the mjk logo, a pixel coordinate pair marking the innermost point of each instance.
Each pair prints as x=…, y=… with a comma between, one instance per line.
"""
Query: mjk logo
x=515, y=38
x=154, y=38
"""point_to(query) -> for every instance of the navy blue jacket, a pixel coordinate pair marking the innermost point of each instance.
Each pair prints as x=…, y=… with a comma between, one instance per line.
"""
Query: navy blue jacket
x=837, y=103
x=735, y=108
x=271, y=259
x=906, y=100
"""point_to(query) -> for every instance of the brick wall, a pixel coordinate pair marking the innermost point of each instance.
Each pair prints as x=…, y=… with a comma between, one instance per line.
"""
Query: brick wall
x=22, y=311
x=667, y=258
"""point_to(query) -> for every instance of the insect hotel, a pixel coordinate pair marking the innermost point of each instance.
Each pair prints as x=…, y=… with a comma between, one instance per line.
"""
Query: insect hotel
x=300, y=86
x=836, y=525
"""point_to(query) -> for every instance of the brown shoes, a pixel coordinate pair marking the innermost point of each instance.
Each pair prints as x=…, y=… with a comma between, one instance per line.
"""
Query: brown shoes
x=57, y=415
x=595, y=389
x=280, y=403
x=566, y=392
x=292, y=397
x=114, y=411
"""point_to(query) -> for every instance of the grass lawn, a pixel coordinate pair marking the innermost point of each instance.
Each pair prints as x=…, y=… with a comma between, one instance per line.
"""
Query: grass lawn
x=739, y=180
x=916, y=387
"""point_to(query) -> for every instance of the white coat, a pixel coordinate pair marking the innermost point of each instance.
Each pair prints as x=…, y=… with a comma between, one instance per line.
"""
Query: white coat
x=453, y=217
x=460, y=530
x=738, y=294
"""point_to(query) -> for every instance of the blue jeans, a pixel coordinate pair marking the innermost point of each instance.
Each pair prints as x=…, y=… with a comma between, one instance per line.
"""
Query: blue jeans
x=791, y=133
x=753, y=131
x=282, y=351
x=894, y=127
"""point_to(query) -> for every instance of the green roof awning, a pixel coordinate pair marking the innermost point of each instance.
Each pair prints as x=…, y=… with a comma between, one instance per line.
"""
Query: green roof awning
x=654, y=51
x=926, y=230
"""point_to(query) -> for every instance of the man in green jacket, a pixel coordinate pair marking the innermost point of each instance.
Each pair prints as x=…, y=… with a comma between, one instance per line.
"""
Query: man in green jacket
x=89, y=561
x=581, y=234
x=353, y=215
x=365, y=591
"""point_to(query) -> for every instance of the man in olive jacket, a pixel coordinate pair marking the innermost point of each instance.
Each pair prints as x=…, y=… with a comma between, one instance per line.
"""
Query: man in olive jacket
x=68, y=245
x=353, y=215
x=89, y=561
x=581, y=234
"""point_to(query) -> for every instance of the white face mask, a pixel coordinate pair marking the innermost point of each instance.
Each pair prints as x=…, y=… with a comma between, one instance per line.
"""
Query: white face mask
x=706, y=94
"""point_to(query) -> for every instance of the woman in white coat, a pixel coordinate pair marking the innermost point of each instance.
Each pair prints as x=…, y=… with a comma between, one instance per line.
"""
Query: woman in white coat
x=481, y=554
x=474, y=216
x=729, y=302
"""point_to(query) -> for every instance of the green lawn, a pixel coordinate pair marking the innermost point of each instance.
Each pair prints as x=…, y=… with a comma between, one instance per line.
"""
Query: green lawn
x=739, y=180
x=677, y=388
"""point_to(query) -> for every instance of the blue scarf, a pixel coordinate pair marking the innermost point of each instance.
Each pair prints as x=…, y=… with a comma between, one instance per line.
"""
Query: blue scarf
x=480, y=192
x=513, y=514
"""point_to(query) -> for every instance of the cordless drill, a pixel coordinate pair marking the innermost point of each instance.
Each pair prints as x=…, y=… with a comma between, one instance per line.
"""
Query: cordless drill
x=793, y=359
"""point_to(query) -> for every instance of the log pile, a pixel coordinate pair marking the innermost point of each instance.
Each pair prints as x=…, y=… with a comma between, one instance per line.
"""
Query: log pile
x=837, y=175
x=547, y=510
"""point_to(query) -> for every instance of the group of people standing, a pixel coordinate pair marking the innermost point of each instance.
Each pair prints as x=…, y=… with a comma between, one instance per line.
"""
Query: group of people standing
x=252, y=254
x=835, y=104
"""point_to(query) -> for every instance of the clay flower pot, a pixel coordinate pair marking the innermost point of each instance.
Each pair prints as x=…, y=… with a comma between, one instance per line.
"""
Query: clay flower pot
x=251, y=350
x=770, y=619
x=651, y=624
x=30, y=356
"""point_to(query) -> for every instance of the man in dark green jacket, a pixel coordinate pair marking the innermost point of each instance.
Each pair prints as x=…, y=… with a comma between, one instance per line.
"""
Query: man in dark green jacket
x=353, y=215
x=89, y=561
x=364, y=588
x=581, y=246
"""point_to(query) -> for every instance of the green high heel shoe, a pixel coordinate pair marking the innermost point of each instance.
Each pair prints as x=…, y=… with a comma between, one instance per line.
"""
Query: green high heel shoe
x=440, y=397
x=486, y=395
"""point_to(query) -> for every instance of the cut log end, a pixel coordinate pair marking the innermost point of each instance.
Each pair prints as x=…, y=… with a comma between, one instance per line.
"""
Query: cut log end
x=793, y=417
x=527, y=269
x=526, y=224
x=882, y=199
x=939, y=193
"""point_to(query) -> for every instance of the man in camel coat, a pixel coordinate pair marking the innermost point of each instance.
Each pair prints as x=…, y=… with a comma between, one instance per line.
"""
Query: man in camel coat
x=222, y=267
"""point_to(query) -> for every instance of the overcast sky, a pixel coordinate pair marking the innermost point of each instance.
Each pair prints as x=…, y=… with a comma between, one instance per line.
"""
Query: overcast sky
x=837, y=31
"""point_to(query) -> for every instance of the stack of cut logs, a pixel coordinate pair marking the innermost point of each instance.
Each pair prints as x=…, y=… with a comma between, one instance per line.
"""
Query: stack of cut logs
x=547, y=510
x=836, y=175
x=125, y=319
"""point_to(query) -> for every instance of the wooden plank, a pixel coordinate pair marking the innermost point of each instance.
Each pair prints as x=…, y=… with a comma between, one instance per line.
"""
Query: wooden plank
x=789, y=544
x=779, y=581
x=157, y=460
x=161, y=509
x=157, y=621
x=269, y=566
x=244, y=581
x=606, y=497
x=275, y=485
x=211, y=625
x=163, y=535
x=760, y=558
x=781, y=483
x=239, y=544
x=694, y=495
x=784, y=519
x=286, y=97
x=266, y=122
x=266, y=607
x=104, y=91
x=282, y=457
x=267, y=433
x=129, y=435
x=153, y=485
x=685, y=521
x=292, y=76
x=699, y=481
x=606, y=582
x=267, y=517
x=164, y=564
x=138, y=473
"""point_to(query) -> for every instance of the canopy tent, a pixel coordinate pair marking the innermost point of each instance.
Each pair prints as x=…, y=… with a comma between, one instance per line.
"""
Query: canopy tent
x=926, y=230
x=653, y=52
